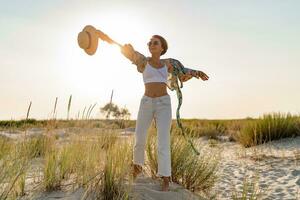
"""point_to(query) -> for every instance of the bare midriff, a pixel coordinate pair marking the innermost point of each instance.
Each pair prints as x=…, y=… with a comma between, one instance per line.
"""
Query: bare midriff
x=155, y=89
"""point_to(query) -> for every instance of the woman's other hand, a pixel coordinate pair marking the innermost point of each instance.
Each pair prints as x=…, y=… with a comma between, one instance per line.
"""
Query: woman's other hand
x=200, y=74
x=194, y=73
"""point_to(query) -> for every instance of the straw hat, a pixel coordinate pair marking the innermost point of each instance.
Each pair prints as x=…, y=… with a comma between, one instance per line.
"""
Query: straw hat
x=88, y=39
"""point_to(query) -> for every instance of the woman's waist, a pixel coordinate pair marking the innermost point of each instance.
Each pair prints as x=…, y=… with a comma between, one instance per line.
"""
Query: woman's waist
x=155, y=89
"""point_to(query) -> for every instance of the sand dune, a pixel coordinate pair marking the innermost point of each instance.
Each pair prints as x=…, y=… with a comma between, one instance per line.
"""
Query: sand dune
x=143, y=188
x=276, y=164
x=148, y=189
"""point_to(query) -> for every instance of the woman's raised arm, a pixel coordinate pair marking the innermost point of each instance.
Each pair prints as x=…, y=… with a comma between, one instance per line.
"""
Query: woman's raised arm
x=135, y=57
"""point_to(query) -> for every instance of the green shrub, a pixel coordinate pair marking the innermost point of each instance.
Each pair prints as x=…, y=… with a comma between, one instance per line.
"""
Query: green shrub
x=6, y=145
x=13, y=166
x=196, y=173
x=270, y=127
x=37, y=146
x=112, y=181
x=52, y=180
x=210, y=130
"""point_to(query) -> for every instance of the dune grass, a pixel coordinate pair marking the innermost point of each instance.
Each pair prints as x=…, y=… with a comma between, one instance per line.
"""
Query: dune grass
x=100, y=162
x=38, y=146
x=51, y=179
x=113, y=182
x=196, y=173
x=270, y=127
x=6, y=145
x=249, y=191
x=79, y=162
x=14, y=162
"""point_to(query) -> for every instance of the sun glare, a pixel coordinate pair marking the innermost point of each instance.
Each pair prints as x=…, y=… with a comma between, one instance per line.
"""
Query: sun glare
x=107, y=69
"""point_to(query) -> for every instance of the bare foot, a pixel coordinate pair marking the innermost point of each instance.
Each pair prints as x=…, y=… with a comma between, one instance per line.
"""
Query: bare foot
x=137, y=169
x=165, y=183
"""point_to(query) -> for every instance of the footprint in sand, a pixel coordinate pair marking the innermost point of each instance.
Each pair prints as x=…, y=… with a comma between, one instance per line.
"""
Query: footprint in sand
x=290, y=190
x=278, y=190
x=296, y=172
x=298, y=182
x=263, y=185
x=280, y=195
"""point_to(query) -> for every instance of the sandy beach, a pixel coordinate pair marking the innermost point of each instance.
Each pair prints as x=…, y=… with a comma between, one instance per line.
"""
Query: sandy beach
x=275, y=166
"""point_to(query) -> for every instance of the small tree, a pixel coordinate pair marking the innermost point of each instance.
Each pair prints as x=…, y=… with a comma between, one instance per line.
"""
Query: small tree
x=120, y=114
x=108, y=109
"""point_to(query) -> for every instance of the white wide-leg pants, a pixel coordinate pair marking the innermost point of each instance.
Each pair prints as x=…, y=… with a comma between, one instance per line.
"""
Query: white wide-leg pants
x=158, y=108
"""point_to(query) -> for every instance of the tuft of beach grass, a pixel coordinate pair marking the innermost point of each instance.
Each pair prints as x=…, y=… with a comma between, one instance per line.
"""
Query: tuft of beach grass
x=196, y=173
x=270, y=127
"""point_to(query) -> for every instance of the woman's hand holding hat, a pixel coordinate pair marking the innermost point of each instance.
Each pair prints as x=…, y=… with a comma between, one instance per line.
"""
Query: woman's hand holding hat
x=127, y=50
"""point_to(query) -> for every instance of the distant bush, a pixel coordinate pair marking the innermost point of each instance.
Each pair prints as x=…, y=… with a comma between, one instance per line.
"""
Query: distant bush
x=19, y=123
x=120, y=114
x=211, y=130
x=270, y=127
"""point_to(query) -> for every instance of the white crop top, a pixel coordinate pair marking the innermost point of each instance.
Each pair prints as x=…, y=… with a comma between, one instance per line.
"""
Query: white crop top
x=152, y=74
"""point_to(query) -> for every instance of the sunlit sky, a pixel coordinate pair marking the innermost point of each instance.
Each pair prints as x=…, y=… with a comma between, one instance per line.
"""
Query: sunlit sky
x=249, y=49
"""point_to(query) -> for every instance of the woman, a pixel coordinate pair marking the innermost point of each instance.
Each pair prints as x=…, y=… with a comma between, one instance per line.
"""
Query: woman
x=155, y=104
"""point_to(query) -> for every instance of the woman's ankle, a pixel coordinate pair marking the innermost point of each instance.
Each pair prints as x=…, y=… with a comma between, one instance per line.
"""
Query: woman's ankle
x=136, y=166
x=136, y=169
x=165, y=184
x=166, y=178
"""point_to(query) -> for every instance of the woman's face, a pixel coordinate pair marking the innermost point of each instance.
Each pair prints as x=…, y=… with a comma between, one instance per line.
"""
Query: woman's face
x=154, y=46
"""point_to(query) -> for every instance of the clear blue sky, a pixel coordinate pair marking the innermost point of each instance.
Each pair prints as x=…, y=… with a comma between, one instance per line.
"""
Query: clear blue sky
x=250, y=50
